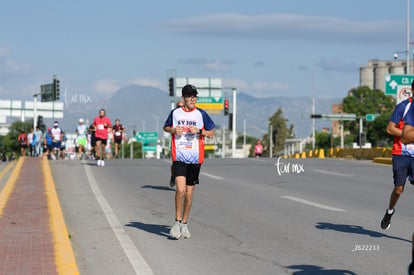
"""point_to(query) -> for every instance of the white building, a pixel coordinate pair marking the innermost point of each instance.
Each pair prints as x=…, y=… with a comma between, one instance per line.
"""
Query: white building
x=373, y=75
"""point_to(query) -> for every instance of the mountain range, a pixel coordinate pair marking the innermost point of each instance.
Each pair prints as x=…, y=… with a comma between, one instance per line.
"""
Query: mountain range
x=144, y=108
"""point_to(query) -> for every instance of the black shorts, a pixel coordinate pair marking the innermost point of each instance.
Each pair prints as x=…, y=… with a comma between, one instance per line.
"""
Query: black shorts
x=118, y=141
x=402, y=167
x=189, y=171
x=103, y=141
x=56, y=144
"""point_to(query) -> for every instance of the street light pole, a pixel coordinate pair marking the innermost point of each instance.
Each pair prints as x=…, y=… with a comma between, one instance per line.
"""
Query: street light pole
x=234, y=123
x=35, y=110
x=408, y=36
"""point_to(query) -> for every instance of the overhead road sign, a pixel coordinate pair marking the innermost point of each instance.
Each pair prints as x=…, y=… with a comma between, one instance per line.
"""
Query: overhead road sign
x=210, y=92
x=371, y=117
x=147, y=137
x=335, y=116
x=398, y=85
x=12, y=108
x=47, y=92
x=149, y=141
x=46, y=109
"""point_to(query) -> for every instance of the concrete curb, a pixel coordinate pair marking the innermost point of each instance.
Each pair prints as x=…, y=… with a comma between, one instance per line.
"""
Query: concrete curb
x=382, y=160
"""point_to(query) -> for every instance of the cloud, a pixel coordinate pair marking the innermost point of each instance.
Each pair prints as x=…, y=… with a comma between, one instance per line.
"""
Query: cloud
x=287, y=27
x=259, y=64
x=107, y=86
x=270, y=86
x=235, y=83
x=4, y=51
x=209, y=64
x=11, y=70
x=258, y=89
x=149, y=82
x=336, y=64
x=304, y=68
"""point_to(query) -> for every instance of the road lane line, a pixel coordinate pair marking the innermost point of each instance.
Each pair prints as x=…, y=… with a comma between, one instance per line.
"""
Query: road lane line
x=333, y=173
x=6, y=169
x=326, y=207
x=211, y=176
x=8, y=188
x=138, y=262
x=64, y=256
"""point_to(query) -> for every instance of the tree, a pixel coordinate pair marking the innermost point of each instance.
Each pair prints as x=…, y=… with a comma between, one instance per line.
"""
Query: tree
x=362, y=101
x=376, y=133
x=280, y=133
x=136, y=150
x=10, y=142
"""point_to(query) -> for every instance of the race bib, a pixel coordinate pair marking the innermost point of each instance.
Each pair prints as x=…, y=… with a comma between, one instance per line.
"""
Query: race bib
x=186, y=142
x=117, y=134
x=407, y=150
x=101, y=127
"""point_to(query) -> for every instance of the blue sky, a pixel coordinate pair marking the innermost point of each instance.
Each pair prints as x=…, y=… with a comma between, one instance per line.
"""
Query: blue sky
x=264, y=47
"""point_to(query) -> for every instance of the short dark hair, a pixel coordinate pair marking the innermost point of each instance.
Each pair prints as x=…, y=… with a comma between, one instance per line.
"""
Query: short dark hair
x=412, y=84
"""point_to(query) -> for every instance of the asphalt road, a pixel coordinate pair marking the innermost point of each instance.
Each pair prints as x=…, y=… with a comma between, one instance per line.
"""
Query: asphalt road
x=249, y=216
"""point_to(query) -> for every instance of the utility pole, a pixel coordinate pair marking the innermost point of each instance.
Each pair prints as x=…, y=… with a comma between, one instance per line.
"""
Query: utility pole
x=234, y=122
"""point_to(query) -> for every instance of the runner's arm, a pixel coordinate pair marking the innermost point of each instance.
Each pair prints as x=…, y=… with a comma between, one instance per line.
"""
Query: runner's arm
x=393, y=130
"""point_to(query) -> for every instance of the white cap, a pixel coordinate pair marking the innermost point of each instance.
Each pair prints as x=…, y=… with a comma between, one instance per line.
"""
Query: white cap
x=81, y=120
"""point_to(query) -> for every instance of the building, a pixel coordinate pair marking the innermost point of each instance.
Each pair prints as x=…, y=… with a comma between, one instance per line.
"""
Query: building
x=373, y=75
x=335, y=124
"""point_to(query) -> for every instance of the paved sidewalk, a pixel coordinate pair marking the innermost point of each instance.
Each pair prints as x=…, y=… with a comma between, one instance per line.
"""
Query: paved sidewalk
x=26, y=235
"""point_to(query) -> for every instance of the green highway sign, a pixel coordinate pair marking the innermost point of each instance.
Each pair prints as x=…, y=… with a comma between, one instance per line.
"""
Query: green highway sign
x=149, y=141
x=147, y=137
x=398, y=85
x=209, y=100
x=149, y=148
x=46, y=91
x=371, y=117
x=394, y=81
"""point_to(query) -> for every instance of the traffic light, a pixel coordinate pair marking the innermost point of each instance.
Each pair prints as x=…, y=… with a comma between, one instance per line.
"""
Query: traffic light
x=40, y=123
x=361, y=139
x=231, y=121
x=226, y=107
x=56, y=89
x=171, y=86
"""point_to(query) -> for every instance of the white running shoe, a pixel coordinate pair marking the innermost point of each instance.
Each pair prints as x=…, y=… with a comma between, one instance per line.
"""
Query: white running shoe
x=185, y=233
x=175, y=231
x=102, y=163
x=98, y=163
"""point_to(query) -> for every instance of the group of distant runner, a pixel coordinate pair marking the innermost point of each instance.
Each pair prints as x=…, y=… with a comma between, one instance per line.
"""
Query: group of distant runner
x=92, y=141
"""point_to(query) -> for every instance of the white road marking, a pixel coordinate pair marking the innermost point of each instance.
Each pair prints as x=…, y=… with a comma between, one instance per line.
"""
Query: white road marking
x=138, y=263
x=326, y=207
x=211, y=176
x=168, y=160
x=333, y=173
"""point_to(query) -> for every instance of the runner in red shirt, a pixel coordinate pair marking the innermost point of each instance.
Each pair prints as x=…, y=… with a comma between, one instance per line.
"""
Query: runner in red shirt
x=23, y=142
x=100, y=125
x=118, y=130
